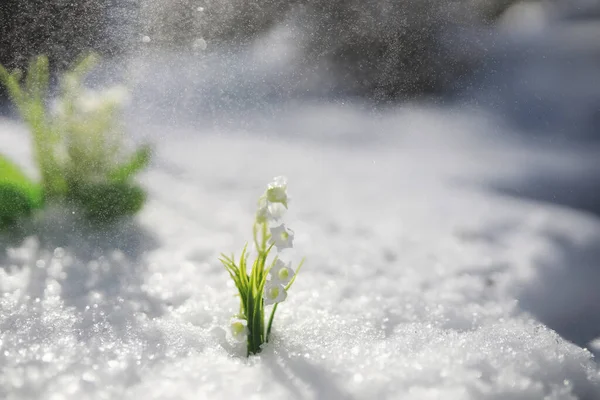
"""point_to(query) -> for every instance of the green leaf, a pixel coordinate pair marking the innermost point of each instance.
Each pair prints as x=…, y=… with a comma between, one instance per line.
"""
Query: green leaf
x=243, y=271
x=13, y=205
x=258, y=322
x=138, y=161
x=36, y=82
x=19, y=195
x=107, y=202
x=289, y=285
x=84, y=65
x=11, y=82
x=11, y=175
x=270, y=324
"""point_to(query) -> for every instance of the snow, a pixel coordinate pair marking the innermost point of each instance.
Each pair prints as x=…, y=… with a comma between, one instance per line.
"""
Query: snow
x=421, y=282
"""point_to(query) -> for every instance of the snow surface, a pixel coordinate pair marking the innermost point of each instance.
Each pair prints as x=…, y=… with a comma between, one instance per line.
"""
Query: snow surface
x=412, y=287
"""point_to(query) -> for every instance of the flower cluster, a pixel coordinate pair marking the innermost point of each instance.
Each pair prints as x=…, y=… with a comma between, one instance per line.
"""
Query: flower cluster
x=270, y=278
x=271, y=208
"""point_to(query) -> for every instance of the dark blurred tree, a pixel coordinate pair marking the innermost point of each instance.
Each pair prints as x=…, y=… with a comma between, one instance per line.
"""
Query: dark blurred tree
x=60, y=29
x=383, y=49
x=387, y=49
x=177, y=23
x=380, y=48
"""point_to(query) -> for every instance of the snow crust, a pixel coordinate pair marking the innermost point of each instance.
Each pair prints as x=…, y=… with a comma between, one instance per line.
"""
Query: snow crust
x=420, y=281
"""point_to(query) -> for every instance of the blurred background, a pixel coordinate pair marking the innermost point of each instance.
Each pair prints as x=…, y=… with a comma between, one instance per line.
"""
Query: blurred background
x=343, y=71
x=532, y=65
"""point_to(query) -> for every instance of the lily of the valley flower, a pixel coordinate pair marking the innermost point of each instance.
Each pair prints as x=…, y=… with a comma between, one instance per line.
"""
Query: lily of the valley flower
x=282, y=237
x=261, y=283
x=274, y=293
x=275, y=211
x=268, y=212
x=239, y=329
x=277, y=191
x=281, y=272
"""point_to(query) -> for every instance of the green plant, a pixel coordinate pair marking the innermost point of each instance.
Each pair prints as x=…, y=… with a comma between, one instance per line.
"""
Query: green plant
x=78, y=147
x=19, y=195
x=268, y=280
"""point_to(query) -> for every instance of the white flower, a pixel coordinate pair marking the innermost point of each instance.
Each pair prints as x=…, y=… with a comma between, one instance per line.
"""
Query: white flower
x=275, y=211
x=281, y=272
x=277, y=191
x=274, y=293
x=269, y=212
x=282, y=237
x=239, y=329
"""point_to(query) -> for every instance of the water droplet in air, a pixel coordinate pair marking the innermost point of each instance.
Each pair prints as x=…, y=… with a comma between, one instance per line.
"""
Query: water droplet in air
x=59, y=252
x=200, y=44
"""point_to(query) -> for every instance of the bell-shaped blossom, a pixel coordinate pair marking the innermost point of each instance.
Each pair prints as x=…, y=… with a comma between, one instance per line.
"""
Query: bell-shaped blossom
x=274, y=292
x=275, y=211
x=281, y=272
x=277, y=191
x=282, y=237
x=239, y=329
x=268, y=212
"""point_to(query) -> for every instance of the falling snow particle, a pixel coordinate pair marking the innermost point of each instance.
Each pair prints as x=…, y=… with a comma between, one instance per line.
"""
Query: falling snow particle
x=200, y=44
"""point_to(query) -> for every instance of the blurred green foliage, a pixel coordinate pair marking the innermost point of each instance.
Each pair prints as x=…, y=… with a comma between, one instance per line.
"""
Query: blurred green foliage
x=19, y=195
x=78, y=144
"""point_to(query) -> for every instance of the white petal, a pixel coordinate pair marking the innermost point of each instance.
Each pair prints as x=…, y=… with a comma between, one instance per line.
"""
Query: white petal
x=275, y=211
x=281, y=272
x=282, y=237
x=278, y=181
x=239, y=329
x=274, y=293
x=277, y=191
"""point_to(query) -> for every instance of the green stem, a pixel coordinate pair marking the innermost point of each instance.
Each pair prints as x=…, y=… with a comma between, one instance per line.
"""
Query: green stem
x=271, y=321
x=264, y=237
x=250, y=320
x=255, y=238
